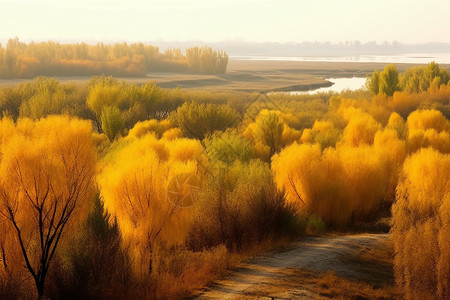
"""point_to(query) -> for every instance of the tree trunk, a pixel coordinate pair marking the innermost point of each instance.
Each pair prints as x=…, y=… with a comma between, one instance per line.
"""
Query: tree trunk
x=40, y=289
x=150, y=267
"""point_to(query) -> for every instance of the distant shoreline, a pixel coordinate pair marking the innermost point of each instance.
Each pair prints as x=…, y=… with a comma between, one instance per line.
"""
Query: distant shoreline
x=412, y=58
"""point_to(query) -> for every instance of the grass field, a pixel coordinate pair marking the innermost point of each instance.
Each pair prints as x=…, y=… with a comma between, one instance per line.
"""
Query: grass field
x=253, y=75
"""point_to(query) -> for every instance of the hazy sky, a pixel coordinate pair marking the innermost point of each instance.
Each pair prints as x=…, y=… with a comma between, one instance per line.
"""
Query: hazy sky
x=407, y=21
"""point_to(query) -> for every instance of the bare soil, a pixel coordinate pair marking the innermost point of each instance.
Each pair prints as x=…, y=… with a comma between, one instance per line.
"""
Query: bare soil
x=349, y=267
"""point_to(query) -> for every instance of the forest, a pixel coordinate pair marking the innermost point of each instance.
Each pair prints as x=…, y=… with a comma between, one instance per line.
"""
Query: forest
x=110, y=189
x=21, y=60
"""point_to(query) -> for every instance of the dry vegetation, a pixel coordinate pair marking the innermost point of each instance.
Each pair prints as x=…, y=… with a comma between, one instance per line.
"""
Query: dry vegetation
x=85, y=210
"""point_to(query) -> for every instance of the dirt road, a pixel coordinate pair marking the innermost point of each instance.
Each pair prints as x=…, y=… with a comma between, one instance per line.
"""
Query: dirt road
x=297, y=271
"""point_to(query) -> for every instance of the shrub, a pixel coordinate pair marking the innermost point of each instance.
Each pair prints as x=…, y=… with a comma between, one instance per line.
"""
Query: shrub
x=98, y=264
x=228, y=147
x=239, y=206
x=339, y=185
x=198, y=120
x=428, y=128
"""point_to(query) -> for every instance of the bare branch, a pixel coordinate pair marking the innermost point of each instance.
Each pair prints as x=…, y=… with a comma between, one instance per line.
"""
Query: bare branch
x=295, y=189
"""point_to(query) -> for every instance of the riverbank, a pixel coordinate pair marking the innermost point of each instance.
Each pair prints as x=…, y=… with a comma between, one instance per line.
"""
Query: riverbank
x=255, y=76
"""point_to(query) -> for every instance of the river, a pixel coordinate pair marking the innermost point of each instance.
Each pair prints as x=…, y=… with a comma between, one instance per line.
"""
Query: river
x=339, y=84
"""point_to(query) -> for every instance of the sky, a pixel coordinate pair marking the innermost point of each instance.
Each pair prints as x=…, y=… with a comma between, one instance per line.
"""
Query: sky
x=405, y=21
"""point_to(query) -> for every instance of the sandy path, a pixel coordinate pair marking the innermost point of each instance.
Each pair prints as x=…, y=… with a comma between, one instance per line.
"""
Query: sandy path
x=318, y=254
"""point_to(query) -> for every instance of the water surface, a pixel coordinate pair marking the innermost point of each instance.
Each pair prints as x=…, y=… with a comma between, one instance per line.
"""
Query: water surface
x=339, y=84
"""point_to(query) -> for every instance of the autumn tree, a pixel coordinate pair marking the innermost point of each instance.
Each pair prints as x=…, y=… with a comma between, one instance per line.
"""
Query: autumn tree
x=48, y=99
x=385, y=82
x=206, y=60
x=239, y=205
x=21, y=60
x=397, y=123
x=197, y=120
x=428, y=128
x=412, y=80
x=419, y=79
x=111, y=120
x=373, y=82
x=389, y=80
x=433, y=71
x=135, y=192
x=228, y=147
x=100, y=96
x=403, y=103
x=315, y=184
x=268, y=130
x=46, y=179
x=361, y=129
x=140, y=103
x=10, y=101
x=156, y=127
x=323, y=133
x=391, y=147
x=339, y=184
x=420, y=226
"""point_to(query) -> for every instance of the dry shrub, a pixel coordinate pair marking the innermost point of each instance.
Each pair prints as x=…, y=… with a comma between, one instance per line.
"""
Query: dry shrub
x=181, y=271
x=421, y=226
x=336, y=287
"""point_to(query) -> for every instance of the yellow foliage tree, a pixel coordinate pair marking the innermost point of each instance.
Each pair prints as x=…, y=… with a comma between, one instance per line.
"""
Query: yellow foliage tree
x=46, y=170
x=361, y=129
x=155, y=126
x=428, y=128
x=101, y=96
x=338, y=184
x=270, y=133
x=135, y=192
x=314, y=183
x=397, y=123
x=323, y=133
x=365, y=179
x=392, y=150
x=421, y=226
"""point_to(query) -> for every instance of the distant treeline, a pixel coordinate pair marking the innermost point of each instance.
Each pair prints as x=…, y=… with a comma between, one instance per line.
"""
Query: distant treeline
x=343, y=48
x=21, y=60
